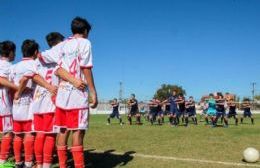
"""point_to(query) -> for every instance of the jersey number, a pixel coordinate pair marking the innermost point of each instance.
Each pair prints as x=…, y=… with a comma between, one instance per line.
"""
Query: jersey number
x=48, y=75
x=73, y=66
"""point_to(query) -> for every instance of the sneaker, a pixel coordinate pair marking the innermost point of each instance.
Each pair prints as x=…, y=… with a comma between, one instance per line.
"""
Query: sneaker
x=108, y=124
x=121, y=124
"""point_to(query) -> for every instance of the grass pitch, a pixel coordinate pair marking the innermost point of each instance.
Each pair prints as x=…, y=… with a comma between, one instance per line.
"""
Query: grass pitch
x=120, y=146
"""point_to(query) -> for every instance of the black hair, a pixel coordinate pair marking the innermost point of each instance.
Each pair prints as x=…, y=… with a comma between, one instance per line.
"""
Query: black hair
x=80, y=25
x=6, y=47
x=29, y=47
x=54, y=38
x=211, y=94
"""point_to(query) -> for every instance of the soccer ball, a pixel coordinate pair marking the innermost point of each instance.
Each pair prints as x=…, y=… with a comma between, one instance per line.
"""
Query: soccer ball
x=251, y=155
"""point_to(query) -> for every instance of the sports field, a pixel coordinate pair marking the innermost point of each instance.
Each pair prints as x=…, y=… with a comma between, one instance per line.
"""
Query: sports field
x=165, y=146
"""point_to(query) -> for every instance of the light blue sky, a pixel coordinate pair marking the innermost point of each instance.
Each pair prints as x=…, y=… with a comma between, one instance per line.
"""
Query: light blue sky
x=202, y=45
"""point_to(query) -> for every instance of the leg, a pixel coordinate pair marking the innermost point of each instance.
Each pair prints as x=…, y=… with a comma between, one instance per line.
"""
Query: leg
x=5, y=146
x=108, y=120
x=252, y=119
x=206, y=119
x=62, y=140
x=129, y=117
x=28, y=149
x=77, y=148
x=17, y=146
x=48, y=149
x=38, y=148
x=138, y=118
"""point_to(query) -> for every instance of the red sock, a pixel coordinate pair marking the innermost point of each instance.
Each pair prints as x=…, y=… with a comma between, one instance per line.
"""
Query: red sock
x=38, y=148
x=5, y=147
x=62, y=154
x=18, y=144
x=78, y=156
x=48, y=148
x=28, y=148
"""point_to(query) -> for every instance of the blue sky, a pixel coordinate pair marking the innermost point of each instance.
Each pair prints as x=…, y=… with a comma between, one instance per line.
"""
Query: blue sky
x=201, y=45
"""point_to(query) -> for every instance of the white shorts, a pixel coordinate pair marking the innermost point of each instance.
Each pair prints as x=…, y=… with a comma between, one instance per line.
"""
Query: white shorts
x=6, y=124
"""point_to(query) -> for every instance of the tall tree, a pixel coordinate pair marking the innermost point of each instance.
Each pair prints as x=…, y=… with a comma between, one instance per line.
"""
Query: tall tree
x=166, y=90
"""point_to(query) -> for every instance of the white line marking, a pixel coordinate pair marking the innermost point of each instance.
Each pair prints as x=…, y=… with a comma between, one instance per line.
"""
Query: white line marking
x=186, y=159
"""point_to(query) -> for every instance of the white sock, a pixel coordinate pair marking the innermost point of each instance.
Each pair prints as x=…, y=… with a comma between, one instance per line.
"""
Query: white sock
x=46, y=165
x=28, y=164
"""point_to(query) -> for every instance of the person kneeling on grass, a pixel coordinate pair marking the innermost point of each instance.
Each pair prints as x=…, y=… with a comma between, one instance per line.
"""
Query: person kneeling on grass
x=115, y=112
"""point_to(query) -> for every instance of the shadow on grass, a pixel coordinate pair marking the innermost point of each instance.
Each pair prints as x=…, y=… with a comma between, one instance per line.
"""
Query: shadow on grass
x=106, y=159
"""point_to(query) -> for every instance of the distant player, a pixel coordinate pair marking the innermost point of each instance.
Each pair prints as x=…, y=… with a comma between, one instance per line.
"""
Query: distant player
x=24, y=74
x=115, y=112
x=7, y=55
x=182, y=110
x=221, y=111
x=191, y=109
x=153, y=107
x=173, y=114
x=133, y=110
x=160, y=112
x=232, y=110
x=246, y=105
x=211, y=110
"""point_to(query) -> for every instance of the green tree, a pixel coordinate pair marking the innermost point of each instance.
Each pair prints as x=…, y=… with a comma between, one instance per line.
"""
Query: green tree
x=166, y=90
x=257, y=97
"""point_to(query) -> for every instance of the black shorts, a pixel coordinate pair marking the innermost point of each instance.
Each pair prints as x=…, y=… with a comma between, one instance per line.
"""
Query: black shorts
x=232, y=114
x=247, y=114
x=114, y=114
x=133, y=113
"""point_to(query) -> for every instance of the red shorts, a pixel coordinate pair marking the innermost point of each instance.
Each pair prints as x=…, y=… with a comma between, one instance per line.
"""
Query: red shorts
x=72, y=119
x=44, y=123
x=22, y=127
x=6, y=123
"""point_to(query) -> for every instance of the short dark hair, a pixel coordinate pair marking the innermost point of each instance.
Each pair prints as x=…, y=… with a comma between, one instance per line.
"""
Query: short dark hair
x=54, y=38
x=29, y=47
x=6, y=47
x=80, y=25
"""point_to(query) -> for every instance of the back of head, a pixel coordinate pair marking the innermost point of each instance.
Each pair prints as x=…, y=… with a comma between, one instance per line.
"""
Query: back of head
x=80, y=26
x=54, y=38
x=7, y=49
x=30, y=48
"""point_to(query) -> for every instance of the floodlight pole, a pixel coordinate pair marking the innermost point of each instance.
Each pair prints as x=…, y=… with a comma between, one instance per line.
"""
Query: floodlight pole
x=253, y=93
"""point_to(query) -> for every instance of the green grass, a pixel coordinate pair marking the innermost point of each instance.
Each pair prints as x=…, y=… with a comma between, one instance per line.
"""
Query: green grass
x=196, y=142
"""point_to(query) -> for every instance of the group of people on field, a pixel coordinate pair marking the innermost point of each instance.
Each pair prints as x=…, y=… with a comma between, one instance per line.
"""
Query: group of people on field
x=179, y=110
x=44, y=98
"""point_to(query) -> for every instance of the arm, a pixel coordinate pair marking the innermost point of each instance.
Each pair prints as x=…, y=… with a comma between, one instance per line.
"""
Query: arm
x=91, y=85
x=6, y=83
x=22, y=85
x=64, y=75
x=40, y=81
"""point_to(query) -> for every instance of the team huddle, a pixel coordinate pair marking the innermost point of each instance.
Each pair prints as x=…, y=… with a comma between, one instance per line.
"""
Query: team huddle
x=179, y=110
x=44, y=98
